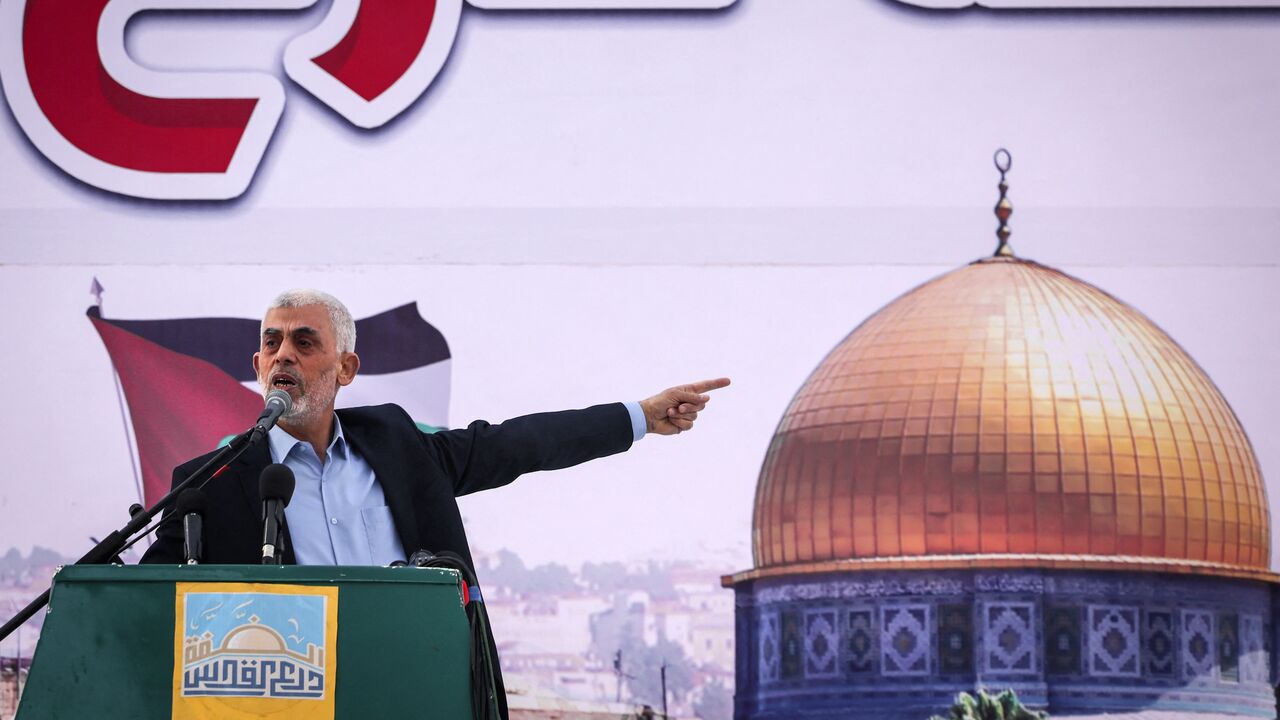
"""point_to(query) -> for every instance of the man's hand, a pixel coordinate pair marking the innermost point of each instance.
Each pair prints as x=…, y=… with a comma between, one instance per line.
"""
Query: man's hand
x=673, y=410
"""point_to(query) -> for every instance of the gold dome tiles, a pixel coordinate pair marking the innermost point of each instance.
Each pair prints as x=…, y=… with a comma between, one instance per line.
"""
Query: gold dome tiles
x=1006, y=408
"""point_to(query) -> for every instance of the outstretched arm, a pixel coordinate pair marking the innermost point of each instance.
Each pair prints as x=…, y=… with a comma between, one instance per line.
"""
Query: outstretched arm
x=484, y=456
x=673, y=410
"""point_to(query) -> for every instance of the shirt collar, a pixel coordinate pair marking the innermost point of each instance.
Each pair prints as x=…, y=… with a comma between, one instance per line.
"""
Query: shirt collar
x=282, y=443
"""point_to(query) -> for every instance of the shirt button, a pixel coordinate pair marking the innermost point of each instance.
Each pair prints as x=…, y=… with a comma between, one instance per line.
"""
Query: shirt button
x=333, y=521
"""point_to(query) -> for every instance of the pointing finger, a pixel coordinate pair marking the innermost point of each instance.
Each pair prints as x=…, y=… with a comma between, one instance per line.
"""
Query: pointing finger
x=706, y=385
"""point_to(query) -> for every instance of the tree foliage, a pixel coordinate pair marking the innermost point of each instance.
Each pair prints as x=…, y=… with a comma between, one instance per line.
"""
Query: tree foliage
x=985, y=706
x=642, y=665
x=716, y=703
x=511, y=572
x=13, y=564
x=609, y=577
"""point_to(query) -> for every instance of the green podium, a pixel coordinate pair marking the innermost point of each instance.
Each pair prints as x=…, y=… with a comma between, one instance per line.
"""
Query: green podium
x=254, y=641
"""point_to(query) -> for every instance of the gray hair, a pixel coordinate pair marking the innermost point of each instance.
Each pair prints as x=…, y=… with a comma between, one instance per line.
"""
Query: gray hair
x=344, y=328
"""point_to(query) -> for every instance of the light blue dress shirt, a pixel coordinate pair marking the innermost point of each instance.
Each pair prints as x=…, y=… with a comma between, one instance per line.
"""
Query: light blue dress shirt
x=637, y=420
x=337, y=515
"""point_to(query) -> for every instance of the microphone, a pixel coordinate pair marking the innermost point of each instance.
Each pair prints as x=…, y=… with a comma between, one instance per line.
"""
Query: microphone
x=421, y=558
x=278, y=403
x=191, y=506
x=275, y=485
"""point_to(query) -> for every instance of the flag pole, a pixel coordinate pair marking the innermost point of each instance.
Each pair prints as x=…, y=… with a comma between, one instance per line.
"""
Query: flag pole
x=96, y=289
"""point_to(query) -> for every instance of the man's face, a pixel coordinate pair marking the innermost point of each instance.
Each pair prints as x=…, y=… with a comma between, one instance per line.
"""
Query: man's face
x=299, y=354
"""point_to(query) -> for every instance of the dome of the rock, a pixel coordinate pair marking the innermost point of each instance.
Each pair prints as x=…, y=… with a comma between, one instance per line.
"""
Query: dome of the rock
x=1007, y=478
x=1008, y=412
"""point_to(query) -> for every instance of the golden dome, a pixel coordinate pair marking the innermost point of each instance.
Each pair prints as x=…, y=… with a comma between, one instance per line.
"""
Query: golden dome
x=1008, y=414
x=254, y=638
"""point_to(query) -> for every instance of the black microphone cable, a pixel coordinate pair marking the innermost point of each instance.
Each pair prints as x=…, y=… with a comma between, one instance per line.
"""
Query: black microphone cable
x=484, y=686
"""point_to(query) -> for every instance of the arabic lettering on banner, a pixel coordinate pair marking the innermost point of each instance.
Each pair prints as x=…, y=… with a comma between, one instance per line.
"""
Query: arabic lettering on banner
x=254, y=649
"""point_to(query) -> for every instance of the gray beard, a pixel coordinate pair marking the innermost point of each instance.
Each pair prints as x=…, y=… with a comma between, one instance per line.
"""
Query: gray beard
x=306, y=407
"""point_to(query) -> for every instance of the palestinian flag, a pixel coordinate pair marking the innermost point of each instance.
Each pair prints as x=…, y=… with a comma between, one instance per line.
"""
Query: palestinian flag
x=190, y=386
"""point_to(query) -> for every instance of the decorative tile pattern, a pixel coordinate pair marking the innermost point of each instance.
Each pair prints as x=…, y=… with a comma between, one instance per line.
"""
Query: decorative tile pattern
x=770, y=648
x=904, y=640
x=1197, y=644
x=860, y=642
x=1159, y=643
x=1009, y=582
x=955, y=639
x=1138, y=588
x=1096, y=643
x=1229, y=647
x=821, y=644
x=1009, y=638
x=870, y=588
x=1253, y=650
x=1062, y=633
x=792, y=645
x=1113, y=641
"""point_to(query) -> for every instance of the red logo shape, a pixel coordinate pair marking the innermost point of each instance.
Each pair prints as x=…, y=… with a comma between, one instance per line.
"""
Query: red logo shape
x=371, y=60
x=121, y=127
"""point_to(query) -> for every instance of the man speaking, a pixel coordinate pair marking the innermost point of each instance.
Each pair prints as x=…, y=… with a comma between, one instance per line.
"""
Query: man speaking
x=371, y=488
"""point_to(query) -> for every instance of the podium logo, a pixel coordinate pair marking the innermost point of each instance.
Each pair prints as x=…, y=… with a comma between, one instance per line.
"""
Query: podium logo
x=254, y=649
x=114, y=124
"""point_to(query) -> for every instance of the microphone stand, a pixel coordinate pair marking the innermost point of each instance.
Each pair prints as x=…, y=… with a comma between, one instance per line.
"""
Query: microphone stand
x=113, y=544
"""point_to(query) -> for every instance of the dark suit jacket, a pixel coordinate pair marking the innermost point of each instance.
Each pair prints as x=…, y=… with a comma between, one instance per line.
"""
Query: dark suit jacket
x=420, y=475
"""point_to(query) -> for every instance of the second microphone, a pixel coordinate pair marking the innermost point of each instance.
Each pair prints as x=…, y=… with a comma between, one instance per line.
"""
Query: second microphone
x=275, y=487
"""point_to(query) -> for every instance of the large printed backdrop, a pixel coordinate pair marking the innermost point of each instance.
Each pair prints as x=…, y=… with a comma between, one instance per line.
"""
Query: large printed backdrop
x=593, y=206
x=528, y=339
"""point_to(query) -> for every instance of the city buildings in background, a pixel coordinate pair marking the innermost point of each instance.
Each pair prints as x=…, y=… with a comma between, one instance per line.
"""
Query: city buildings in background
x=21, y=579
x=608, y=632
x=13, y=677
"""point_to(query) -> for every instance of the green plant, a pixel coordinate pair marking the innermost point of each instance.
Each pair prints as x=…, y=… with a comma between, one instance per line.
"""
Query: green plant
x=985, y=706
